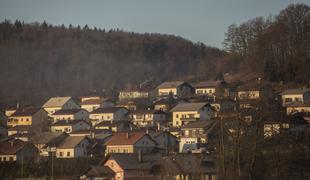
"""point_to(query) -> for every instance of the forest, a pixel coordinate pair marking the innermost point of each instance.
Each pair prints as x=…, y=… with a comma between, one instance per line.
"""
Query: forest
x=40, y=60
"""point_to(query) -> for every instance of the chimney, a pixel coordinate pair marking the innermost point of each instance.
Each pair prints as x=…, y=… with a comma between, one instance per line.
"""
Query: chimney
x=158, y=126
x=140, y=156
x=17, y=105
x=12, y=143
x=127, y=135
x=147, y=131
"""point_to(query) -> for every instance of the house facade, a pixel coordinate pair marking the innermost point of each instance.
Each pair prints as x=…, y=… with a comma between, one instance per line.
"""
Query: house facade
x=143, y=118
x=184, y=113
x=73, y=147
x=295, y=95
x=70, y=114
x=108, y=114
x=27, y=117
x=175, y=88
x=70, y=126
x=57, y=103
x=130, y=142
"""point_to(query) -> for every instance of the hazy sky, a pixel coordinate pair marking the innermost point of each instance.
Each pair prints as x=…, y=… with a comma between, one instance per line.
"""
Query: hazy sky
x=197, y=20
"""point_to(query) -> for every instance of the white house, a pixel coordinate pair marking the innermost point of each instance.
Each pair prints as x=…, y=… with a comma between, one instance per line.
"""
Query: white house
x=56, y=103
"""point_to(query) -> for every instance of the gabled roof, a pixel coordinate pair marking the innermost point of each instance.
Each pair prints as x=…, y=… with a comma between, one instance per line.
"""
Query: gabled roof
x=92, y=102
x=188, y=107
x=170, y=84
x=20, y=128
x=147, y=112
x=71, y=142
x=67, y=111
x=99, y=171
x=56, y=102
x=11, y=146
x=131, y=161
x=126, y=138
x=206, y=84
x=199, y=124
x=25, y=112
x=106, y=110
x=68, y=122
x=295, y=91
x=44, y=137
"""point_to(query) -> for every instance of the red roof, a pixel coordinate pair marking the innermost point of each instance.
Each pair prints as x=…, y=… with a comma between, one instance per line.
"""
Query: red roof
x=123, y=138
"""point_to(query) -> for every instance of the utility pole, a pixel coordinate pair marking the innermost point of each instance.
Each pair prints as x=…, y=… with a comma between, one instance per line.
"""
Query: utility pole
x=52, y=166
x=22, y=168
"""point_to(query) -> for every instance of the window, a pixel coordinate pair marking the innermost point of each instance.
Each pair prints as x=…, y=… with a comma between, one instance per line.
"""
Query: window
x=60, y=154
x=68, y=154
x=176, y=116
x=11, y=158
x=4, y=158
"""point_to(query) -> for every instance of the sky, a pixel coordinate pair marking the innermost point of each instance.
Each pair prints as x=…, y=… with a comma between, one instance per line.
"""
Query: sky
x=196, y=20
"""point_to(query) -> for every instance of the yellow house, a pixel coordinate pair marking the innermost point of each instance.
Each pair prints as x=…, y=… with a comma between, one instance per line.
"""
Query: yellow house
x=56, y=103
x=92, y=104
x=70, y=114
x=295, y=107
x=130, y=142
x=108, y=114
x=184, y=113
x=209, y=88
x=133, y=94
x=295, y=95
x=70, y=126
x=176, y=88
x=143, y=118
x=27, y=116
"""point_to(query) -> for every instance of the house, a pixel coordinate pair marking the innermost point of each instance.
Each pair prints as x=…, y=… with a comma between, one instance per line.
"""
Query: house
x=183, y=113
x=135, y=104
x=295, y=95
x=165, y=140
x=211, y=88
x=187, y=166
x=223, y=104
x=56, y=103
x=279, y=123
x=73, y=147
x=133, y=94
x=143, y=118
x=39, y=140
x=98, y=172
x=295, y=107
x=164, y=104
x=118, y=126
x=70, y=126
x=175, y=88
x=27, y=116
x=15, y=150
x=195, y=136
x=254, y=91
x=20, y=129
x=108, y=114
x=130, y=142
x=70, y=114
x=132, y=166
x=92, y=104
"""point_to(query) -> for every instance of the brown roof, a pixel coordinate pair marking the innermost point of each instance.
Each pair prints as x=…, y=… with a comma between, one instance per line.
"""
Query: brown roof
x=20, y=128
x=204, y=84
x=100, y=171
x=11, y=146
x=68, y=123
x=91, y=102
x=124, y=138
x=67, y=111
x=170, y=84
x=131, y=161
x=71, y=142
x=106, y=110
x=25, y=112
x=147, y=112
x=295, y=91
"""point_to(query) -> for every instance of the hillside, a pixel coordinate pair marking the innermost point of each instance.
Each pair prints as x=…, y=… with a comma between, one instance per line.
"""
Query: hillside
x=40, y=60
